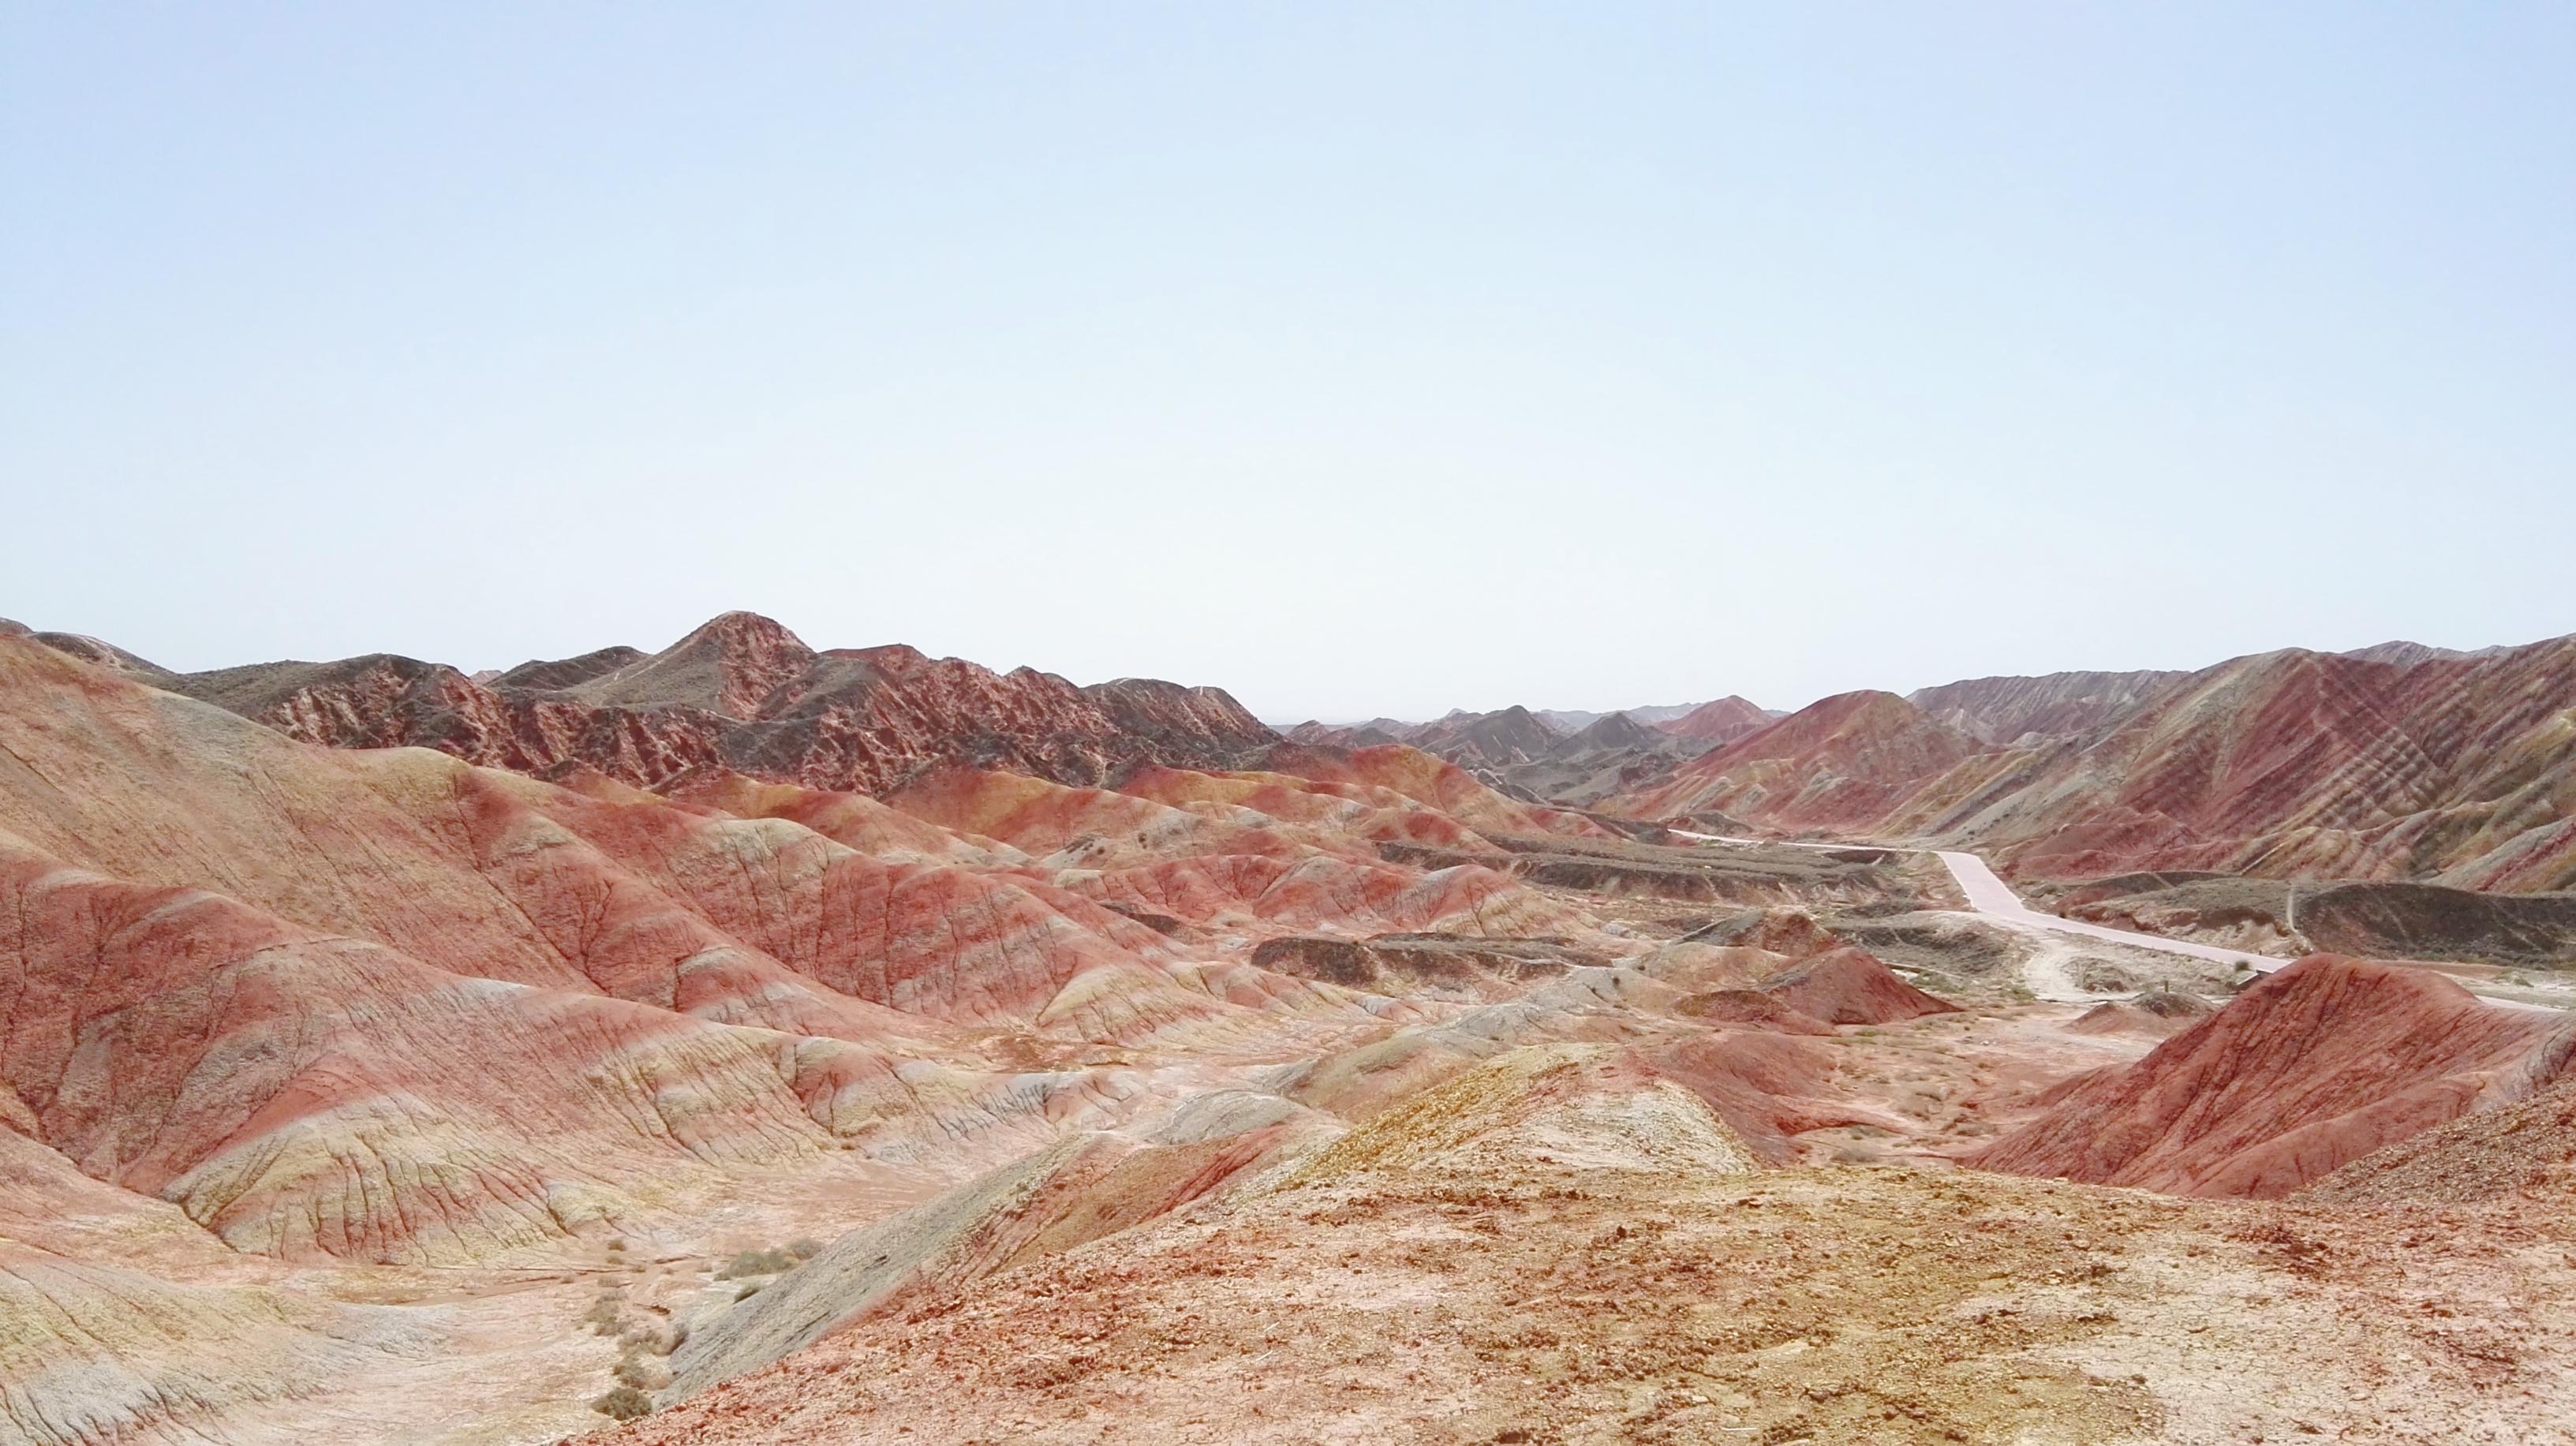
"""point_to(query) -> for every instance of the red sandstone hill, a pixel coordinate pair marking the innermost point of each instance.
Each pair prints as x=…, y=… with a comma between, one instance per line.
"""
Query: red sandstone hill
x=2456, y=768
x=2313, y=1067
x=1845, y=762
x=388, y=1005
x=2058, y=705
x=745, y=694
x=1720, y=721
x=2299, y=762
x=1848, y=985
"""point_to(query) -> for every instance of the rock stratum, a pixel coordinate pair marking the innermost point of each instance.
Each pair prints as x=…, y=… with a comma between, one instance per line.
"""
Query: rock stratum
x=2395, y=764
x=741, y=694
x=746, y=1042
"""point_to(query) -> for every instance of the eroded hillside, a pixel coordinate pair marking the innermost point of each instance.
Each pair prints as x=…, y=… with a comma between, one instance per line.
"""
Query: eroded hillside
x=791, y=1045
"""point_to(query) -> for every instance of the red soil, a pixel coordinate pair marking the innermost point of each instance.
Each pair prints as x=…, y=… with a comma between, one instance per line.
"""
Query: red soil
x=1843, y=763
x=1848, y=985
x=2318, y=1065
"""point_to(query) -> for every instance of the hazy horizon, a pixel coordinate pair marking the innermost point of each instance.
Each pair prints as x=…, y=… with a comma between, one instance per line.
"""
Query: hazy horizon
x=1359, y=360
x=1272, y=718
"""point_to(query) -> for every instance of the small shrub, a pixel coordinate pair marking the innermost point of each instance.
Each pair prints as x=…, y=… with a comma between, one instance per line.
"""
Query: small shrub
x=624, y=1403
x=642, y=1374
x=805, y=1248
x=756, y=1262
x=604, y=1317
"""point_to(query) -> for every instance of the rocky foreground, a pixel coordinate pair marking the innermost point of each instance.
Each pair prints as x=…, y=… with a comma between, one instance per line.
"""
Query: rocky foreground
x=753, y=1042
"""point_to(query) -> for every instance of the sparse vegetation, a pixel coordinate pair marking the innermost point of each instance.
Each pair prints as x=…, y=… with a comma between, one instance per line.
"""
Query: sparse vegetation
x=623, y=1403
x=642, y=1372
x=757, y=1262
x=606, y=1316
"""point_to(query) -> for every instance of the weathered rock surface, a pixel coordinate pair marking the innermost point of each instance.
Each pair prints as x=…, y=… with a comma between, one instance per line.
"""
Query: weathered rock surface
x=2526, y=1148
x=1848, y=985
x=1845, y=763
x=2053, y=705
x=1054, y=1036
x=2310, y=1069
x=743, y=693
x=2458, y=770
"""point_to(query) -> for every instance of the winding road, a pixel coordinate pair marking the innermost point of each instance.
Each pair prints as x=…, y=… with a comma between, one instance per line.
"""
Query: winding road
x=1991, y=898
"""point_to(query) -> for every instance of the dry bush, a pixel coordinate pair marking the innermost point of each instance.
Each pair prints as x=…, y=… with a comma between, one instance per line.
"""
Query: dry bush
x=756, y=1262
x=605, y=1317
x=624, y=1403
x=643, y=1373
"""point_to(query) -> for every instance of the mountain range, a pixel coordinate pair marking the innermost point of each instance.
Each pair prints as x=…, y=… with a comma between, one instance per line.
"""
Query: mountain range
x=746, y=1041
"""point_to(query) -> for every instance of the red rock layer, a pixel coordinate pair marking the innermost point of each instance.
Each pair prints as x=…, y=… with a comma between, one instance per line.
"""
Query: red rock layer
x=301, y=1094
x=2326, y=765
x=1844, y=763
x=2313, y=1067
x=2459, y=769
x=1848, y=985
x=384, y=1003
x=745, y=694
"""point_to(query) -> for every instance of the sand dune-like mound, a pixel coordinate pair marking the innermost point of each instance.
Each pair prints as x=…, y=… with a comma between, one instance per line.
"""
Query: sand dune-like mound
x=2159, y=1013
x=1848, y=985
x=2310, y=1069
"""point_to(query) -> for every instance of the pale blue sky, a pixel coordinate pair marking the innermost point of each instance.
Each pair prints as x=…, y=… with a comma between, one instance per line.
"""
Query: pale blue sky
x=1359, y=359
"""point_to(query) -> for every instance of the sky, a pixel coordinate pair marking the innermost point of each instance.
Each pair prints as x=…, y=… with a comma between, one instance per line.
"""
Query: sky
x=1368, y=359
